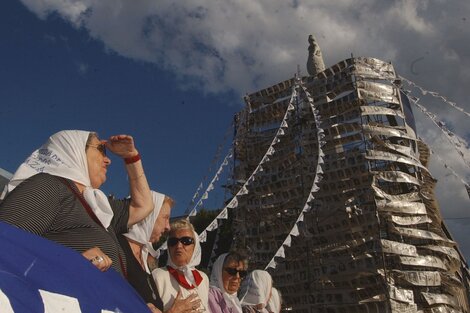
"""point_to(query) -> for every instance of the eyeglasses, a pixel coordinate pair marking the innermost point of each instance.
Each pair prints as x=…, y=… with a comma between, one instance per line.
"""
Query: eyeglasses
x=234, y=271
x=101, y=148
x=173, y=241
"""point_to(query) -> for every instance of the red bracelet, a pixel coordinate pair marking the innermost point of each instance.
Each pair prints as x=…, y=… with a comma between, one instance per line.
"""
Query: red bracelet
x=133, y=159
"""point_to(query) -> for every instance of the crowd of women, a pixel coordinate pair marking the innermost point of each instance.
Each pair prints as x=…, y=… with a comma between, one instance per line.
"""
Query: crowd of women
x=55, y=194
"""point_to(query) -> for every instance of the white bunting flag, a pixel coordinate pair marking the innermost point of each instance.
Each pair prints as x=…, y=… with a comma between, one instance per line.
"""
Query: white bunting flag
x=295, y=230
x=272, y=264
x=223, y=214
x=203, y=236
x=288, y=241
x=280, y=253
x=233, y=203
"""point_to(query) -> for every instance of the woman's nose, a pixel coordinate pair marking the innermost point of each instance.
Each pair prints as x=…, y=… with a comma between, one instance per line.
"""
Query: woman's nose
x=107, y=160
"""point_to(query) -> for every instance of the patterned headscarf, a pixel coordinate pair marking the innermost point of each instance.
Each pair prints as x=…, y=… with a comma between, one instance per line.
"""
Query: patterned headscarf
x=64, y=155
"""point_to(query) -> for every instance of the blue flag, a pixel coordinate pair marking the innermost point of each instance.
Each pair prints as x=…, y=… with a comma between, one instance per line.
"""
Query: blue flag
x=41, y=276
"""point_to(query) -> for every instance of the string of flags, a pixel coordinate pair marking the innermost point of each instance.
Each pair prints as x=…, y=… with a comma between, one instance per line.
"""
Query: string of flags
x=467, y=185
x=211, y=185
x=456, y=141
x=453, y=172
x=294, y=232
x=435, y=95
x=214, y=161
x=222, y=215
x=196, y=194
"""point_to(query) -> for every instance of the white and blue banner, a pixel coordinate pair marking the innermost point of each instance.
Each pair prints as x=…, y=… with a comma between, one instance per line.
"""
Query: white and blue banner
x=40, y=276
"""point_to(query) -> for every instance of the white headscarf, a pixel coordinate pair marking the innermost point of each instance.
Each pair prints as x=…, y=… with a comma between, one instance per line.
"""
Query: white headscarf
x=274, y=303
x=256, y=289
x=64, y=155
x=195, y=260
x=142, y=230
x=217, y=281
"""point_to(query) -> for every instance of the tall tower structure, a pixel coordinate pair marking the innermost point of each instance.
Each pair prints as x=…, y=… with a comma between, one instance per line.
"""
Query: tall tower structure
x=371, y=237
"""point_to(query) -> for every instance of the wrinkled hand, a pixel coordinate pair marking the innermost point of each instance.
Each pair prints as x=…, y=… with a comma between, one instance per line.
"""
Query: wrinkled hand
x=122, y=146
x=190, y=304
x=98, y=258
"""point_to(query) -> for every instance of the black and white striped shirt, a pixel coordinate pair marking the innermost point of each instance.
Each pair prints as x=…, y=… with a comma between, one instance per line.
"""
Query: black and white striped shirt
x=45, y=206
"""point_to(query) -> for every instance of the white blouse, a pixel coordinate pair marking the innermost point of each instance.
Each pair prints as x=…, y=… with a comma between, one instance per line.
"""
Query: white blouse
x=168, y=288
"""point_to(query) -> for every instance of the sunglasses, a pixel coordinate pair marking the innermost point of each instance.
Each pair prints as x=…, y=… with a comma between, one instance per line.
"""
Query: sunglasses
x=173, y=241
x=101, y=148
x=234, y=271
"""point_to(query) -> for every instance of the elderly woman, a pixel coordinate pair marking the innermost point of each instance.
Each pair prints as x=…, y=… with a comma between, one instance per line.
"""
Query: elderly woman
x=227, y=273
x=255, y=292
x=55, y=194
x=180, y=278
x=137, y=246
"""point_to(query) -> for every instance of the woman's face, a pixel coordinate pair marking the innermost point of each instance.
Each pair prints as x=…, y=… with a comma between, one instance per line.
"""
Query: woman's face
x=162, y=223
x=181, y=254
x=97, y=162
x=232, y=282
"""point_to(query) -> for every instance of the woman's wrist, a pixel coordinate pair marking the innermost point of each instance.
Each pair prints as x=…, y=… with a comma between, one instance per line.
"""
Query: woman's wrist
x=132, y=159
x=137, y=176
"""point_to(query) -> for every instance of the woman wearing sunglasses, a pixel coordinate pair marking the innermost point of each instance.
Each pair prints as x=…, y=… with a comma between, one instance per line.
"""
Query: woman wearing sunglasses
x=180, y=278
x=227, y=273
x=55, y=194
x=255, y=292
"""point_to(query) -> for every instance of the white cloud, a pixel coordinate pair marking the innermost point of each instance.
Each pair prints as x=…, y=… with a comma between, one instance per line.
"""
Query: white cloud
x=407, y=14
x=245, y=45
x=70, y=10
x=225, y=44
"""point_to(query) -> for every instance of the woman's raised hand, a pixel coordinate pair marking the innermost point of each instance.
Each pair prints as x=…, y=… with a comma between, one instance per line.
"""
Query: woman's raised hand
x=122, y=146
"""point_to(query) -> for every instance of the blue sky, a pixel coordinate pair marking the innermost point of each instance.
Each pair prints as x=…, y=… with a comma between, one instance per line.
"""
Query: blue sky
x=173, y=74
x=55, y=77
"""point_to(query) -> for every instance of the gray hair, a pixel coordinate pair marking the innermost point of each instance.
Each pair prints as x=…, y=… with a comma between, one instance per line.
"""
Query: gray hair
x=181, y=224
x=237, y=257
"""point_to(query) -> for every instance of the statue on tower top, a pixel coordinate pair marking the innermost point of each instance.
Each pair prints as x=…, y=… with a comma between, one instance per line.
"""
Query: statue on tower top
x=315, y=62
